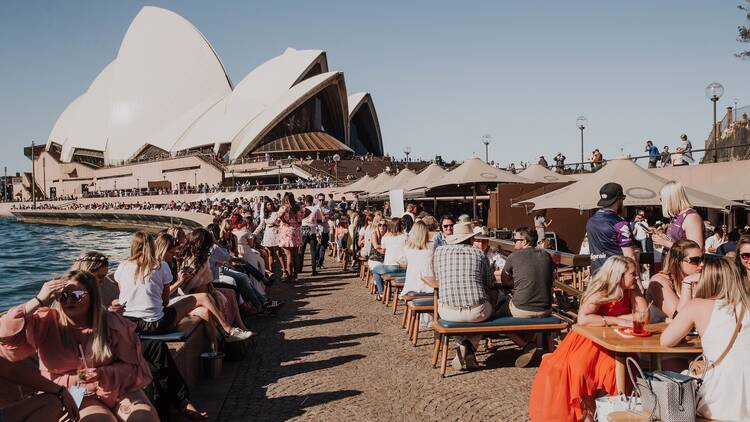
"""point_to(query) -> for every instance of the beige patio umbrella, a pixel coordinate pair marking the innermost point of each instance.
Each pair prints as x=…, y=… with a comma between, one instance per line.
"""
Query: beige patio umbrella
x=475, y=174
x=641, y=188
x=417, y=186
x=539, y=173
x=397, y=182
x=356, y=186
x=376, y=183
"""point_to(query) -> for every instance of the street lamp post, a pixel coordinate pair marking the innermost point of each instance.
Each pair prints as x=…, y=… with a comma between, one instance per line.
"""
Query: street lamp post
x=336, y=159
x=486, y=139
x=734, y=110
x=407, y=151
x=714, y=91
x=581, y=123
x=33, y=178
x=278, y=165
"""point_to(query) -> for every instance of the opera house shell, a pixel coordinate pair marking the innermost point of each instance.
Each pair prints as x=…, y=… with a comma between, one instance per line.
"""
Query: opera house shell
x=167, y=93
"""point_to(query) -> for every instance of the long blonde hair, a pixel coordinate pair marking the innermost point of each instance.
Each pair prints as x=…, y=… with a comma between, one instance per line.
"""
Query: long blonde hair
x=607, y=280
x=143, y=253
x=418, y=236
x=673, y=199
x=722, y=280
x=163, y=243
x=100, y=330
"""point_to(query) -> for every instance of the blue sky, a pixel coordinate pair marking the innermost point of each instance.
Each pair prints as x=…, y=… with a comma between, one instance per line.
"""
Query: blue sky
x=441, y=73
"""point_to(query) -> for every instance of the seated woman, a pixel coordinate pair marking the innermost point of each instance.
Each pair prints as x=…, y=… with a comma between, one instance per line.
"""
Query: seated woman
x=742, y=257
x=145, y=287
x=167, y=378
x=79, y=343
x=194, y=260
x=719, y=312
x=392, y=245
x=53, y=403
x=684, y=259
x=418, y=255
x=580, y=369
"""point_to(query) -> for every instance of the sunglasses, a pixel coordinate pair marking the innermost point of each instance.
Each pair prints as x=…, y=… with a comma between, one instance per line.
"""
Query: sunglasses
x=745, y=256
x=74, y=296
x=448, y=226
x=694, y=260
x=518, y=240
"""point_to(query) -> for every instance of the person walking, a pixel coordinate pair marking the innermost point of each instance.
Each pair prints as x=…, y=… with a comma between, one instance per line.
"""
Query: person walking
x=290, y=234
x=313, y=217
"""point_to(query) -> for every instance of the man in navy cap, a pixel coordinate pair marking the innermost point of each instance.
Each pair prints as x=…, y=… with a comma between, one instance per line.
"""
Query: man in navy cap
x=608, y=233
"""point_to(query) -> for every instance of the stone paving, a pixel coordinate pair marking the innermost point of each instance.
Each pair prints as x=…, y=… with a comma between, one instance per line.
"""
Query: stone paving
x=333, y=353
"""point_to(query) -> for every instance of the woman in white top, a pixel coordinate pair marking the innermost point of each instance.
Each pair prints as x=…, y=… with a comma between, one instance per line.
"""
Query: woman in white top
x=144, y=293
x=721, y=299
x=392, y=245
x=418, y=259
x=684, y=259
x=269, y=225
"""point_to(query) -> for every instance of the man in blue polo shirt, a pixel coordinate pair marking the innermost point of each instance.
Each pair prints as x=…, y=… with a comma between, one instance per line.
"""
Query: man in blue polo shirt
x=608, y=233
x=653, y=154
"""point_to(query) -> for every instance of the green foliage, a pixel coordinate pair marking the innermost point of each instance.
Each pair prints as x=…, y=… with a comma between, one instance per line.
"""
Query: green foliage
x=744, y=32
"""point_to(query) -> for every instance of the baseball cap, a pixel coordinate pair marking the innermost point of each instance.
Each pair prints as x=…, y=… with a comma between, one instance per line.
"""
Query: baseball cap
x=609, y=193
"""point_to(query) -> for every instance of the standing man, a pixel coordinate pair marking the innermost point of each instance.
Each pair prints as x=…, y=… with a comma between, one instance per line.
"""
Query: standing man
x=653, y=154
x=331, y=203
x=343, y=205
x=313, y=216
x=608, y=233
x=641, y=230
x=355, y=203
x=466, y=277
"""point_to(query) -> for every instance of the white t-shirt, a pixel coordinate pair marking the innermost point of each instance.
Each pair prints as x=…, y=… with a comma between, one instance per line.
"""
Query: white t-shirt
x=713, y=242
x=394, y=248
x=419, y=263
x=142, y=298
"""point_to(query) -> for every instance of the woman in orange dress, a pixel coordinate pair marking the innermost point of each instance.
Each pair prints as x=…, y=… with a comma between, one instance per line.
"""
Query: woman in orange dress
x=569, y=379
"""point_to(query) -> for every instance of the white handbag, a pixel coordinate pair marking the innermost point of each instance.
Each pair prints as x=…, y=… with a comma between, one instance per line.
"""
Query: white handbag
x=619, y=403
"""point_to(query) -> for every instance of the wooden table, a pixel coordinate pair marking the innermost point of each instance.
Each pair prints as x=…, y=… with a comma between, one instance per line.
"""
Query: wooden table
x=622, y=346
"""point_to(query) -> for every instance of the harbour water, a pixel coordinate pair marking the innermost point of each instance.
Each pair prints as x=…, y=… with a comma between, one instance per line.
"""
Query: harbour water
x=31, y=254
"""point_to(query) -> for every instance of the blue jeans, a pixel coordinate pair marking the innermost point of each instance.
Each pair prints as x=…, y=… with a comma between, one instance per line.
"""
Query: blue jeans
x=382, y=270
x=246, y=289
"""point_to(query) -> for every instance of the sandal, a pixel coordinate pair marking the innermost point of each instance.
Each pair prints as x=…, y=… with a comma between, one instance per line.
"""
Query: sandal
x=194, y=415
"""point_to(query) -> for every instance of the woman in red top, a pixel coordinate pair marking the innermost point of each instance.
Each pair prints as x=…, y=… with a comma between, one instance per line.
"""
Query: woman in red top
x=570, y=378
x=79, y=343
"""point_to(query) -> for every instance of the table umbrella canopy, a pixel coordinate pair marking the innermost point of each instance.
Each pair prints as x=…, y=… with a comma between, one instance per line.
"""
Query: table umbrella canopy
x=356, y=186
x=539, y=173
x=397, y=182
x=475, y=171
x=417, y=186
x=641, y=188
x=375, y=184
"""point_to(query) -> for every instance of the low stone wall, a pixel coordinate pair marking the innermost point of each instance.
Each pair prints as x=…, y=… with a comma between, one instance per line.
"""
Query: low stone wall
x=116, y=219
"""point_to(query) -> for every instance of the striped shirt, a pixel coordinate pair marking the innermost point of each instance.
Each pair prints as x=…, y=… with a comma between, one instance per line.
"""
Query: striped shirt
x=465, y=275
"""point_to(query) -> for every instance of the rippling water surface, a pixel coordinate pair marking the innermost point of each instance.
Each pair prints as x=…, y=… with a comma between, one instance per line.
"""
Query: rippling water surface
x=31, y=254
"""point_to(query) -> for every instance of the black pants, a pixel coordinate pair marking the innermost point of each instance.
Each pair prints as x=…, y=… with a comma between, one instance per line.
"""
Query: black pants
x=312, y=239
x=324, y=239
x=168, y=387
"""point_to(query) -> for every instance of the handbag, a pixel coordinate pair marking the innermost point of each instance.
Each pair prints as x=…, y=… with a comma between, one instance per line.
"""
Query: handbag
x=619, y=403
x=665, y=395
x=701, y=365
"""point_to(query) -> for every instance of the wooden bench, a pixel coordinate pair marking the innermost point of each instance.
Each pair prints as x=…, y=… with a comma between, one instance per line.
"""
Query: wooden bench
x=633, y=417
x=494, y=326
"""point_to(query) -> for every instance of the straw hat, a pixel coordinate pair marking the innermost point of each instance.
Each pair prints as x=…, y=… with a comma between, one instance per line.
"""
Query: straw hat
x=461, y=233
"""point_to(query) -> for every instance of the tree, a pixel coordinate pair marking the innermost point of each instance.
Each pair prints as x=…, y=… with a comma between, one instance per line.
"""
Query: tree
x=744, y=32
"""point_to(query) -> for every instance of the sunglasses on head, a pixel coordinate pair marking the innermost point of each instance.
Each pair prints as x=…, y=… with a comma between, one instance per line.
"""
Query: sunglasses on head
x=745, y=256
x=694, y=260
x=73, y=296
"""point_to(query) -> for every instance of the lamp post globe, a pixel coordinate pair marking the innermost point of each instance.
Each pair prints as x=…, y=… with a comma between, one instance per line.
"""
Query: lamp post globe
x=486, y=139
x=582, y=123
x=336, y=159
x=714, y=91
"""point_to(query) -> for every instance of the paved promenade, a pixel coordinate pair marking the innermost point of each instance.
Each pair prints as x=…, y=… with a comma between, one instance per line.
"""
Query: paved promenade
x=334, y=354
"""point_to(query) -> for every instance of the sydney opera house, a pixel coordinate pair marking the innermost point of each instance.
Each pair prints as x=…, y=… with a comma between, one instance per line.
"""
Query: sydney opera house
x=165, y=103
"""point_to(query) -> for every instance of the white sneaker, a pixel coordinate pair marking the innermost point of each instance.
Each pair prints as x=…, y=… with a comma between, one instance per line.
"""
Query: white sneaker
x=238, y=334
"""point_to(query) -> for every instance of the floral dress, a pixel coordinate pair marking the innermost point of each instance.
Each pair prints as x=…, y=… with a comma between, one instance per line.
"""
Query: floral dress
x=270, y=228
x=290, y=229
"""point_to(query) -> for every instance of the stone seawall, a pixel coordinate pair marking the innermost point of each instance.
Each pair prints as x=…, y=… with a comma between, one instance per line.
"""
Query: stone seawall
x=115, y=219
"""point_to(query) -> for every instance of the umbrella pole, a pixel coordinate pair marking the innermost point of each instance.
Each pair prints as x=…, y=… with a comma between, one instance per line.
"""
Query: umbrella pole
x=434, y=206
x=474, y=200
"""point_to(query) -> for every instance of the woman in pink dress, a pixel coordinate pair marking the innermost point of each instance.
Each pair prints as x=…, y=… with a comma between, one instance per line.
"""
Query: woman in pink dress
x=290, y=233
x=79, y=343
